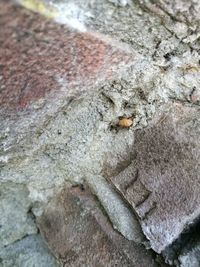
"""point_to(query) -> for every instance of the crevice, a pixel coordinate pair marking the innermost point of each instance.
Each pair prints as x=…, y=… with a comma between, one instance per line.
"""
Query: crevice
x=108, y=99
x=185, y=241
x=17, y=240
x=31, y=215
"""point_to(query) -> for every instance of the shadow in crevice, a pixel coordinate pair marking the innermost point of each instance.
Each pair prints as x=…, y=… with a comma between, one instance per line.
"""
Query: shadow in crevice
x=185, y=242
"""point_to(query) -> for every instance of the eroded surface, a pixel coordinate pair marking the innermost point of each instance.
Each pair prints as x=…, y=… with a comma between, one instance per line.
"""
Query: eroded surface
x=147, y=59
x=79, y=234
x=162, y=182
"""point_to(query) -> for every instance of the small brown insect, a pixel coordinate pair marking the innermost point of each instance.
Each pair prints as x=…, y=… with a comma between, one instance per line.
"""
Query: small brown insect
x=125, y=122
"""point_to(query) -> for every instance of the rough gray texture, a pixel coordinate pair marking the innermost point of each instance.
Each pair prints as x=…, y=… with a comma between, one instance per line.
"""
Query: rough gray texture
x=162, y=182
x=17, y=220
x=78, y=137
x=30, y=251
x=190, y=258
x=121, y=2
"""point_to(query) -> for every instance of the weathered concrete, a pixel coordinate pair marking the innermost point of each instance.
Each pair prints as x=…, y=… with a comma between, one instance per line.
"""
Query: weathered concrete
x=65, y=87
x=30, y=44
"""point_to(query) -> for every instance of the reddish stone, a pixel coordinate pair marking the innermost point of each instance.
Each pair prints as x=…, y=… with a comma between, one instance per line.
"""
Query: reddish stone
x=35, y=53
x=79, y=234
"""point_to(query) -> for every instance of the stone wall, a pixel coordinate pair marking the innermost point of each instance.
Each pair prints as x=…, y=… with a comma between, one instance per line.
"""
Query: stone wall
x=99, y=133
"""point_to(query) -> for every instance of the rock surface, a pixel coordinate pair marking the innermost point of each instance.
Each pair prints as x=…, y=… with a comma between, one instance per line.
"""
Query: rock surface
x=67, y=77
x=162, y=182
x=29, y=251
x=79, y=234
x=122, y=218
x=17, y=220
x=190, y=257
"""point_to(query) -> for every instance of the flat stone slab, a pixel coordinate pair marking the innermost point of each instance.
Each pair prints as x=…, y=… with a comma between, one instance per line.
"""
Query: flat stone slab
x=162, y=184
x=79, y=234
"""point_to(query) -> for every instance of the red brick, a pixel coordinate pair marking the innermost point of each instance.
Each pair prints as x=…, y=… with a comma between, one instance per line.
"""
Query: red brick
x=35, y=52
